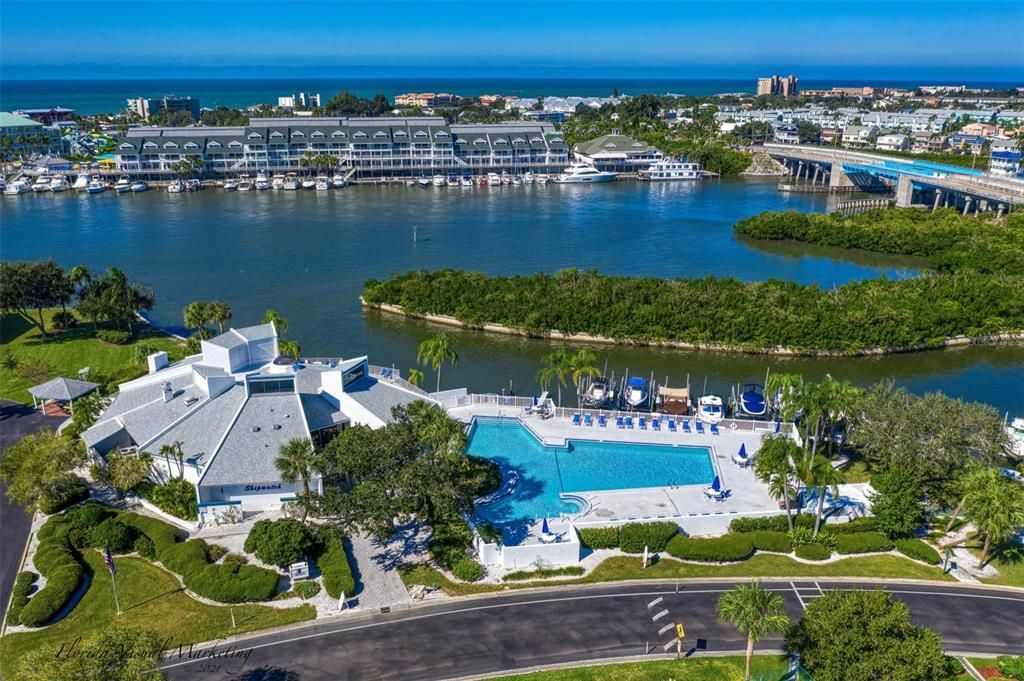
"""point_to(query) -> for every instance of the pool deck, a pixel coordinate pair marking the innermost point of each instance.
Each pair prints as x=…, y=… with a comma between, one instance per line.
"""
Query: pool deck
x=685, y=504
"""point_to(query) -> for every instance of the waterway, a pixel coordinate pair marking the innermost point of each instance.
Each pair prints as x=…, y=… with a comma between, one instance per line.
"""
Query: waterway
x=308, y=253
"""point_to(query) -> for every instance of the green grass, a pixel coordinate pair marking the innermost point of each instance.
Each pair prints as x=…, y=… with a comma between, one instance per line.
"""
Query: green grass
x=1008, y=559
x=979, y=663
x=691, y=669
x=151, y=598
x=66, y=352
x=764, y=565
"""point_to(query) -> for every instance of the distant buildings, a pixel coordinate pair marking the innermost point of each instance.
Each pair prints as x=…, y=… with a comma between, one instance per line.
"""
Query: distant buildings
x=144, y=107
x=617, y=153
x=784, y=86
x=299, y=101
x=50, y=116
x=1006, y=158
x=892, y=142
x=426, y=100
x=860, y=91
x=27, y=135
x=860, y=136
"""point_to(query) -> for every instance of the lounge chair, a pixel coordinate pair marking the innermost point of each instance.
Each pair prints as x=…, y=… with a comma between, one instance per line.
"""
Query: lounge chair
x=741, y=461
x=601, y=421
x=588, y=420
x=700, y=427
x=716, y=494
x=642, y=423
x=576, y=419
x=619, y=423
x=656, y=424
x=686, y=426
x=629, y=422
x=672, y=425
x=714, y=429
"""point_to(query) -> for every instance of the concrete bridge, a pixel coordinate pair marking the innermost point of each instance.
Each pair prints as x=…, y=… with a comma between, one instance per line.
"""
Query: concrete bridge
x=915, y=182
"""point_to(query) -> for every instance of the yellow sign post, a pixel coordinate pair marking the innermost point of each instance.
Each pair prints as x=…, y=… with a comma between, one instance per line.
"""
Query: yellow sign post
x=679, y=631
x=679, y=641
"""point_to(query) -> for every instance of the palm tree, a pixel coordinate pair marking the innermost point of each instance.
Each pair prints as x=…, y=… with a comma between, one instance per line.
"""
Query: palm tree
x=996, y=509
x=415, y=376
x=582, y=364
x=556, y=367
x=434, y=352
x=220, y=313
x=272, y=317
x=754, y=611
x=289, y=348
x=971, y=477
x=196, y=314
x=778, y=388
x=773, y=466
x=297, y=461
x=173, y=449
x=826, y=477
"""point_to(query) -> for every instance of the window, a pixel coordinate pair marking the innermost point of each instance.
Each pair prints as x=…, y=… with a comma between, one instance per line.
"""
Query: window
x=213, y=145
x=255, y=136
x=170, y=145
x=353, y=375
x=536, y=140
x=191, y=145
x=235, y=144
x=276, y=135
x=359, y=135
x=298, y=133
x=461, y=140
x=271, y=386
x=401, y=133
x=318, y=134
x=440, y=133
x=379, y=134
x=337, y=133
x=420, y=133
x=501, y=141
x=126, y=145
x=149, y=145
x=519, y=140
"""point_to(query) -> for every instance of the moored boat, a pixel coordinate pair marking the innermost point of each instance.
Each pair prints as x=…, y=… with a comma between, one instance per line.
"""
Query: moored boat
x=710, y=409
x=291, y=182
x=123, y=185
x=668, y=169
x=309, y=183
x=96, y=187
x=230, y=185
x=581, y=173
x=262, y=182
x=675, y=401
x=193, y=185
x=635, y=394
x=177, y=187
x=599, y=393
x=438, y=180
x=338, y=181
x=17, y=187
x=58, y=184
x=493, y=178
x=323, y=183
x=748, y=400
x=42, y=184
x=139, y=186
x=1014, y=446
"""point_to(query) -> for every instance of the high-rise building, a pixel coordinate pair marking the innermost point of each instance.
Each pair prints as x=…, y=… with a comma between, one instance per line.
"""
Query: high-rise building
x=784, y=86
x=145, y=107
x=765, y=86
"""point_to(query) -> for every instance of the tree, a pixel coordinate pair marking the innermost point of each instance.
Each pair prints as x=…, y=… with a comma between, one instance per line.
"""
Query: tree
x=33, y=286
x=174, y=450
x=298, y=462
x=113, y=298
x=272, y=317
x=754, y=612
x=581, y=364
x=972, y=476
x=434, y=352
x=996, y=509
x=824, y=476
x=865, y=636
x=196, y=315
x=125, y=471
x=773, y=466
x=290, y=348
x=556, y=368
x=415, y=376
x=116, y=653
x=896, y=505
x=220, y=313
x=37, y=466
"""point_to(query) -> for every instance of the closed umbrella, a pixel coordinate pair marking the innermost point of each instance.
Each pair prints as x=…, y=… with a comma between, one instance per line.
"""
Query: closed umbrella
x=743, y=451
x=544, y=527
x=717, y=484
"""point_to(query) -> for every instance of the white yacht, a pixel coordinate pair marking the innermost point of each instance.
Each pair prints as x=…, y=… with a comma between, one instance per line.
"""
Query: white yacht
x=1015, y=437
x=338, y=181
x=309, y=183
x=517, y=180
x=439, y=180
x=635, y=393
x=452, y=181
x=709, y=409
x=123, y=185
x=230, y=185
x=262, y=181
x=423, y=181
x=244, y=183
x=291, y=182
x=528, y=177
x=81, y=182
x=505, y=178
x=671, y=170
x=466, y=183
x=42, y=184
x=176, y=187
x=541, y=179
x=277, y=182
x=493, y=179
x=96, y=186
x=323, y=183
x=17, y=187
x=139, y=186
x=58, y=184
x=581, y=173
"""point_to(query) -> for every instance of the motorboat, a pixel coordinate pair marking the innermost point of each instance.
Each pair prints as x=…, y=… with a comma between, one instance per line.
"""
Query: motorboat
x=675, y=401
x=81, y=182
x=323, y=183
x=1015, y=437
x=493, y=178
x=670, y=170
x=139, y=186
x=452, y=181
x=466, y=183
x=581, y=173
x=482, y=181
x=542, y=178
x=599, y=393
x=528, y=177
x=277, y=182
x=123, y=185
x=410, y=183
x=438, y=180
x=177, y=187
x=42, y=184
x=338, y=181
x=517, y=180
x=291, y=182
x=193, y=185
x=262, y=182
x=244, y=183
x=423, y=182
x=17, y=187
x=58, y=184
x=230, y=185
x=96, y=187
x=505, y=178
x=710, y=409
x=309, y=183
x=635, y=395
x=748, y=400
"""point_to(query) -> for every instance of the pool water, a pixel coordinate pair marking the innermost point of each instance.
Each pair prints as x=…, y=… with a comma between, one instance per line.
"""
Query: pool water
x=581, y=466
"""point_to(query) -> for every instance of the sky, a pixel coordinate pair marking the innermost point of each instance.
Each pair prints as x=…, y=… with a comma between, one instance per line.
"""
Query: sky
x=970, y=39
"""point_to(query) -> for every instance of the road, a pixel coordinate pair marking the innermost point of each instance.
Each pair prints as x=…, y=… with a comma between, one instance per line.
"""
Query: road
x=570, y=624
x=16, y=421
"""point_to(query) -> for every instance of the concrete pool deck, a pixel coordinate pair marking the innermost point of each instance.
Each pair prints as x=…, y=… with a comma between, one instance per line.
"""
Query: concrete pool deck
x=684, y=504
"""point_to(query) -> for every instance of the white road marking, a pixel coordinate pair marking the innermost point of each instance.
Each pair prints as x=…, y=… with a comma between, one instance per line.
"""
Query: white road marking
x=798, y=597
x=661, y=632
x=670, y=644
x=659, y=615
x=653, y=603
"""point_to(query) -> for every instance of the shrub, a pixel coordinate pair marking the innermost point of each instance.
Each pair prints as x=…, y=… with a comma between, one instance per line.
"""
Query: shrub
x=862, y=542
x=727, y=548
x=655, y=536
x=489, y=533
x=307, y=590
x=467, y=569
x=813, y=552
x=176, y=496
x=336, y=571
x=600, y=537
x=801, y=535
x=57, y=561
x=541, y=573
x=19, y=595
x=1011, y=666
x=769, y=523
x=863, y=524
x=826, y=539
x=918, y=550
x=280, y=542
x=235, y=559
x=64, y=321
x=9, y=361
x=113, y=534
x=88, y=515
x=233, y=583
x=452, y=537
x=763, y=540
x=113, y=336
x=215, y=552
x=145, y=547
x=67, y=490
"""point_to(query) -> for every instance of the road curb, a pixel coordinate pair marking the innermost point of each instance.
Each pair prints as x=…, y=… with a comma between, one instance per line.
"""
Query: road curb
x=21, y=568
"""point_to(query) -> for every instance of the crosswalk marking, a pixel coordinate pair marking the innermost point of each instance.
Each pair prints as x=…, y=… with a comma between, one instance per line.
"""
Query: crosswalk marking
x=653, y=603
x=661, y=632
x=659, y=615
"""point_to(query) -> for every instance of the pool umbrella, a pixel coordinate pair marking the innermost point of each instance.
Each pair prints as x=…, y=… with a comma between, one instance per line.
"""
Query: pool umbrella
x=717, y=484
x=544, y=527
x=743, y=450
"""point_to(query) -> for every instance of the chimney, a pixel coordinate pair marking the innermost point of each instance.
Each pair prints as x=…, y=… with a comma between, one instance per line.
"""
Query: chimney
x=157, y=361
x=168, y=392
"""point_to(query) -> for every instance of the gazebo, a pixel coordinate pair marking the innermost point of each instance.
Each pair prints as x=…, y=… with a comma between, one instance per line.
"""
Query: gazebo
x=60, y=391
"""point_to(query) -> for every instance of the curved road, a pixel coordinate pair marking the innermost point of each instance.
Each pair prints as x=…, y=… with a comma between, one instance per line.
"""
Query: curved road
x=501, y=633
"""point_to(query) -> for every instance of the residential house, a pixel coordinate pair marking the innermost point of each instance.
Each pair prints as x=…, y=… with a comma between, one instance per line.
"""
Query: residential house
x=860, y=136
x=892, y=142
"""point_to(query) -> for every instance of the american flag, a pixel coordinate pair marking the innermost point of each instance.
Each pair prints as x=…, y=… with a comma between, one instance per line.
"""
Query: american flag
x=109, y=559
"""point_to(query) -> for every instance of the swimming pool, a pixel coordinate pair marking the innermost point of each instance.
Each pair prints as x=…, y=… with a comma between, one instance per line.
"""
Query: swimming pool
x=581, y=466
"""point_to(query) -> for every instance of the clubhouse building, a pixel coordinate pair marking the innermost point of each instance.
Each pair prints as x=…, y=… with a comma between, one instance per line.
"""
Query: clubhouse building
x=229, y=409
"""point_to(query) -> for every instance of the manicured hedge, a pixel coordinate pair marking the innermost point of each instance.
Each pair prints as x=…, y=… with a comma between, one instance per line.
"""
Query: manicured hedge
x=336, y=571
x=19, y=595
x=58, y=562
x=69, y=490
x=863, y=524
x=769, y=523
x=813, y=552
x=600, y=537
x=113, y=534
x=279, y=542
x=862, y=542
x=779, y=542
x=727, y=548
x=655, y=536
x=918, y=550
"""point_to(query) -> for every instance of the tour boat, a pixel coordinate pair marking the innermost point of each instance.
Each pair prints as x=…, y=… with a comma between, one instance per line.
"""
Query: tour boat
x=291, y=182
x=581, y=173
x=177, y=187
x=230, y=185
x=139, y=186
x=96, y=187
x=42, y=184
x=17, y=187
x=123, y=185
x=670, y=170
x=262, y=181
x=309, y=183
x=635, y=394
x=599, y=393
x=493, y=178
x=748, y=400
x=338, y=181
x=323, y=183
x=709, y=409
x=438, y=180
x=58, y=184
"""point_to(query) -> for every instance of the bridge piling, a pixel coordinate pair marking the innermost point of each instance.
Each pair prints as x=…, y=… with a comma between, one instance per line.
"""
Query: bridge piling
x=938, y=198
x=967, y=204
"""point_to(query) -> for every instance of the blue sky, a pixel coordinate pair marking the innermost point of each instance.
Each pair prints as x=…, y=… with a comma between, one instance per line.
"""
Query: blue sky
x=970, y=40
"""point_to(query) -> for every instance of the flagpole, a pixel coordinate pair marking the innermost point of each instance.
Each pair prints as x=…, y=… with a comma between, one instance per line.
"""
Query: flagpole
x=109, y=560
x=117, y=604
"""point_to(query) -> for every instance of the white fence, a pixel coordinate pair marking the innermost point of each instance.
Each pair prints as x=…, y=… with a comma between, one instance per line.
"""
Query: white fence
x=566, y=551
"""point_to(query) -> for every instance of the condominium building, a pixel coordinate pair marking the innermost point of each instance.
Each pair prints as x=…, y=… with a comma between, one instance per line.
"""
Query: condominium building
x=427, y=99
x=785, y=86
x=28, y=135
x=144, y=107
x=367, y=147
x=299, y=101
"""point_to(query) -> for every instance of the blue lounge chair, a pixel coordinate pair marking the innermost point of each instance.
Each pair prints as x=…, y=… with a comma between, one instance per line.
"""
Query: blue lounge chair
x=642, y=422
x=601, y=421
x=588, y=420
x=714, y=429
x=672, y=425
x=576, y=419
x=656, y=424
x=619, y=423
x=686, y=426
x=700, y=427
x=629, y=422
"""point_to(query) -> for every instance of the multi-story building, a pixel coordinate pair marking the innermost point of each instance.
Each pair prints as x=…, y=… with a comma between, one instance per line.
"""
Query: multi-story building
x=785, y=133
x=367, y=147
x=1006, y=158
x=785, y=86
x=27, y=135
x=49, y=116
x=892, y=142
x=299, y=101
x=427, y=99
x=859, y=135
x=924, y=140
x=144, y=107
x=617, y=153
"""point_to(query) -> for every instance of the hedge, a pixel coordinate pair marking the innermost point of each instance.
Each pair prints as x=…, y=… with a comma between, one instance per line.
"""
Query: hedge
x=468, y=570
x=58, y=562
x=19, y=595
x=863, y=524
x=813, y=552
x=633, y=537
x=112, y=534
x=336, y=571
x=68, y=490
x=770, y=523
x=778, y=542
x=600, y=537
x=727, y=548
x=918, y=550
x=862, y=542
x=279, y=542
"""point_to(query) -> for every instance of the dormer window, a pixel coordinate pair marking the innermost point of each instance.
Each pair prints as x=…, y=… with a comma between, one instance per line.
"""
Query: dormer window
x=276, y=135
x=461, y=140
x=440, y=133
x=318, y=134
x=557, y=140
x=337, y=133
x=213, y=145
x=479, y=140
x=235, y=144
x=359, y=135
x=149, y=145
x=298, y=133
x=379, y=134
x=502, y=141
x=519, y=140
x=420, y=133
x=401, y=133
x=638, y=145
x=170, y=145
x=191, y=145
x=255, y=136
x=536, y=140
x=126, y=145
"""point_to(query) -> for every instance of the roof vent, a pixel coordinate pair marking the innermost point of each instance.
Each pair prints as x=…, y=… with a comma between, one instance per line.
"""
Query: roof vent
x=255, y=429
x=277, y=426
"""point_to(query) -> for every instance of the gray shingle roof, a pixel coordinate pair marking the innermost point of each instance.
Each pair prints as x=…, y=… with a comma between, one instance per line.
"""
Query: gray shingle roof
x=61, y=388
x=203, y=430
x=380, y=397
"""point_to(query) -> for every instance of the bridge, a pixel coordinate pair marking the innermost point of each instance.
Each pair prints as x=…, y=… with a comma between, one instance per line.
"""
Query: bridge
x=915, y=182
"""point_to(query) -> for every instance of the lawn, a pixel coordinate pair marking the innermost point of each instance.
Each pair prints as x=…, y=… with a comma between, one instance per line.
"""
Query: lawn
x=64, y=353
x=987, y=667
x=1008, y=559
x=152, y=598
x=692, y=669
x=765, y=565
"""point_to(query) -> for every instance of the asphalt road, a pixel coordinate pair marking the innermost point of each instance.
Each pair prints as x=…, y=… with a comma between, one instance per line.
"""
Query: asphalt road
x=571, y=624
x=16, y=421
